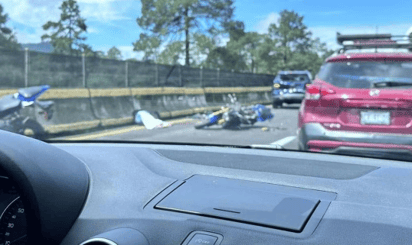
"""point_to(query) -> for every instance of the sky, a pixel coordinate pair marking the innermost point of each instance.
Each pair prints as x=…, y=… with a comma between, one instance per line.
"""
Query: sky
x=113, y=22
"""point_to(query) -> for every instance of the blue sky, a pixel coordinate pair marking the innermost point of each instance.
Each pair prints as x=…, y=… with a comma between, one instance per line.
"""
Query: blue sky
x=113, y=22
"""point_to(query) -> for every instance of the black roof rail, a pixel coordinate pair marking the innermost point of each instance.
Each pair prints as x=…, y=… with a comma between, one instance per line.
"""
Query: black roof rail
x=374, y=41
x=341, y=38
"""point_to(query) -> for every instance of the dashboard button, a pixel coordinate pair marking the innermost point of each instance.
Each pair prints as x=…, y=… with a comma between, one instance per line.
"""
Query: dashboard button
x=201, y=239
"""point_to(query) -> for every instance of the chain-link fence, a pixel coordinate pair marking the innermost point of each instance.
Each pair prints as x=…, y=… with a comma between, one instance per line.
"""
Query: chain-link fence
x=28, y=68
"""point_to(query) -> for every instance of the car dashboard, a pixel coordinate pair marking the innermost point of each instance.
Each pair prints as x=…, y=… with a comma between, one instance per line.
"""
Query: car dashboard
x=129, y=193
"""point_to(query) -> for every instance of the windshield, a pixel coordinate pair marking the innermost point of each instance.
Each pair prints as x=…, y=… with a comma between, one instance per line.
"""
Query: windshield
x=366, y=74
x=294, y=78
x=210, y=72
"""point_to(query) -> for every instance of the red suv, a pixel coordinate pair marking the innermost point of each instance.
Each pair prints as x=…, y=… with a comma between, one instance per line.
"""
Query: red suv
x=360, y=103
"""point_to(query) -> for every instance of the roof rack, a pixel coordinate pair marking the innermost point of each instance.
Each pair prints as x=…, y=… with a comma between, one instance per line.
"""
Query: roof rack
x=373, y=41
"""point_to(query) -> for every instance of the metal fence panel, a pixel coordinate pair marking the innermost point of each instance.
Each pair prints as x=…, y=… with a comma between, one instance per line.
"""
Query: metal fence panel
x=105, y=73
x=59, y=71
x=142, y=74
x=11, y=69
x=23, y=68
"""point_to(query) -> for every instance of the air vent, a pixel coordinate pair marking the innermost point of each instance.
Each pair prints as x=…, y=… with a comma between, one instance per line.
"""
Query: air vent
x=98, y=241
x=121, y=236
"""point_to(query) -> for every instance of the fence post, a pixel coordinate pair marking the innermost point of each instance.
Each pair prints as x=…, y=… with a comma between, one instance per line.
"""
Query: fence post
x=201, y=76
x=180, y=75
x=126, y=75
x=26, y=67
x=233, y=78
x=218, y=77
x=157, y=75
x=84, y=69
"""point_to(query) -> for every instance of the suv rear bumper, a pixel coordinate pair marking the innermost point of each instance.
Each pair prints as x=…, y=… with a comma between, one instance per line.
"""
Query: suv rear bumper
x=288, y=97
x=315, y=137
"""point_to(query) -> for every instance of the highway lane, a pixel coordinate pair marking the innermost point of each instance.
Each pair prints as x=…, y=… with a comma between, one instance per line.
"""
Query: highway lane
x=280, y=130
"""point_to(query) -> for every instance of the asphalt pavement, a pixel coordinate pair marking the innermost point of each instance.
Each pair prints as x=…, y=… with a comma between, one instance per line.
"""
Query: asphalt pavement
x=281, y=130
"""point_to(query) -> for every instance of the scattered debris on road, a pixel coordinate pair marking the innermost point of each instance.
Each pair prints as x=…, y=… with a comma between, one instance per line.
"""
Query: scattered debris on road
x=149, y=121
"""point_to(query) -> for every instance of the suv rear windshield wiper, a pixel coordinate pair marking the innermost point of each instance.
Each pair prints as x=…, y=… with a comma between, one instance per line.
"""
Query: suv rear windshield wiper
x=386, y=84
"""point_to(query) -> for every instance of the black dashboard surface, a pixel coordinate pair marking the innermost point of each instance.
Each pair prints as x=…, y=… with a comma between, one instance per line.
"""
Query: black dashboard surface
x=373, y=203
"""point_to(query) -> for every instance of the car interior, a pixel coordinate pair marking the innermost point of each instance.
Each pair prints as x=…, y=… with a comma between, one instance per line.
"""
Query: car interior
x=154, y=193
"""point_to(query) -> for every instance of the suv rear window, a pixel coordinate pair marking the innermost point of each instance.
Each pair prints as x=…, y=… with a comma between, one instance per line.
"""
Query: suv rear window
x=294, y=77
x=367, y=74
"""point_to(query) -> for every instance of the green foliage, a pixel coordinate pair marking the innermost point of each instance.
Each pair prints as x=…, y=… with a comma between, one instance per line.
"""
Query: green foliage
x=167, y=20
x=288, y=45
x=171, y=54
x=114, y=54
x=7, y=37
x=149, y=45
x=291, y=33
x=66, y=34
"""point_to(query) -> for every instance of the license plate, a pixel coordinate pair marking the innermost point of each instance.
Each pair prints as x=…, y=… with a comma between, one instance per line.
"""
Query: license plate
x=375, y=117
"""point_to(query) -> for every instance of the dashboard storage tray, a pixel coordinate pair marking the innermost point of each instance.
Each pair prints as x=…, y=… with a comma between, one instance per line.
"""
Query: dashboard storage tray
x=275, y=206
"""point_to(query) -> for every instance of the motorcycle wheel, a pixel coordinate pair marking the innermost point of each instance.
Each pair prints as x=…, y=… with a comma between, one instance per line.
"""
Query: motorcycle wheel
x=203, y=125
x=234, y=123
x=33, y=129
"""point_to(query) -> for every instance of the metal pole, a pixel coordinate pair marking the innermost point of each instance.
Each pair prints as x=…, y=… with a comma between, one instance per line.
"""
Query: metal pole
x=180, y=75
x=26, y=67
x=218, y=77
x=201, y=76
x=127, y=75
x=84, y=69
x=157, y=75
x=233, y=78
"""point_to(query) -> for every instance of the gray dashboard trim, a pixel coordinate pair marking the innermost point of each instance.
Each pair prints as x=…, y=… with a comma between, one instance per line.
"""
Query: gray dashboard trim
x=282, y=165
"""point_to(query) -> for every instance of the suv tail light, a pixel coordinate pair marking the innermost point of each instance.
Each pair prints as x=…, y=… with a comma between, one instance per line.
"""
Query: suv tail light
x=314, y=92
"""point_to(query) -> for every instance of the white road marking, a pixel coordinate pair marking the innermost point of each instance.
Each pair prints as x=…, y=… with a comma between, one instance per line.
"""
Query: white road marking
x=284, y=141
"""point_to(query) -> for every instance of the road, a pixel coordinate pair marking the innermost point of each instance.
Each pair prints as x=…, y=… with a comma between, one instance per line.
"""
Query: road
x=281, y=130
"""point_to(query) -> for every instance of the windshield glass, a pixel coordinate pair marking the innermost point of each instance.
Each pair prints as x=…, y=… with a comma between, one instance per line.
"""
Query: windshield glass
x=294, y=77
x=220, y=72
x=366, y=74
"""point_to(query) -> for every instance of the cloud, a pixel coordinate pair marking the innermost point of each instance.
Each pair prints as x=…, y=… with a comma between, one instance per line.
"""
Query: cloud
x=96, y=1
x=92, y=30
x=32, y=13
x=128, y=53
x=28, y=16
x=409, y=31
x=263, y=25
x=104, y=11
x=33, y=36
x=327, y=34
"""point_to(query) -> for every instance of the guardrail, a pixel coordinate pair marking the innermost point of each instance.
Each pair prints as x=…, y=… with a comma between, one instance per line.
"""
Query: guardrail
x=80, y=109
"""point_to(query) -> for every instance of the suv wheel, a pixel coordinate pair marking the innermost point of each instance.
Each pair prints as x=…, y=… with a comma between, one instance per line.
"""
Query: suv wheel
x=277, y=104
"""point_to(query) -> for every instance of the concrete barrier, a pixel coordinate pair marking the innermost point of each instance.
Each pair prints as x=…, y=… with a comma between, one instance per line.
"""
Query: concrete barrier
x=195, y=99
x=112, y=106
x=150, y=99
x=175, y=101
x=78, y=109
x=72, y=111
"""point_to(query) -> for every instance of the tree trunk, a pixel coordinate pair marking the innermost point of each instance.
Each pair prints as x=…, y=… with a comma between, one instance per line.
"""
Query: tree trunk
x=187, y=43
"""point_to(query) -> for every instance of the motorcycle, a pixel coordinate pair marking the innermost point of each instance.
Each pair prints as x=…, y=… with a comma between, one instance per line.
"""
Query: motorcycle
x=232, y=116
x=12, y=118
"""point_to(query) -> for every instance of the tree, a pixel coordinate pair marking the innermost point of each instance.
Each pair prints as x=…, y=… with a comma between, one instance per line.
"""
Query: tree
x=114, y=53
x=149, y=45
x=171, y=54
x=66, y=34
x=7, y=37
x=291, y=33
x=166, y=19
x=229, y=57
x=249, y=46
